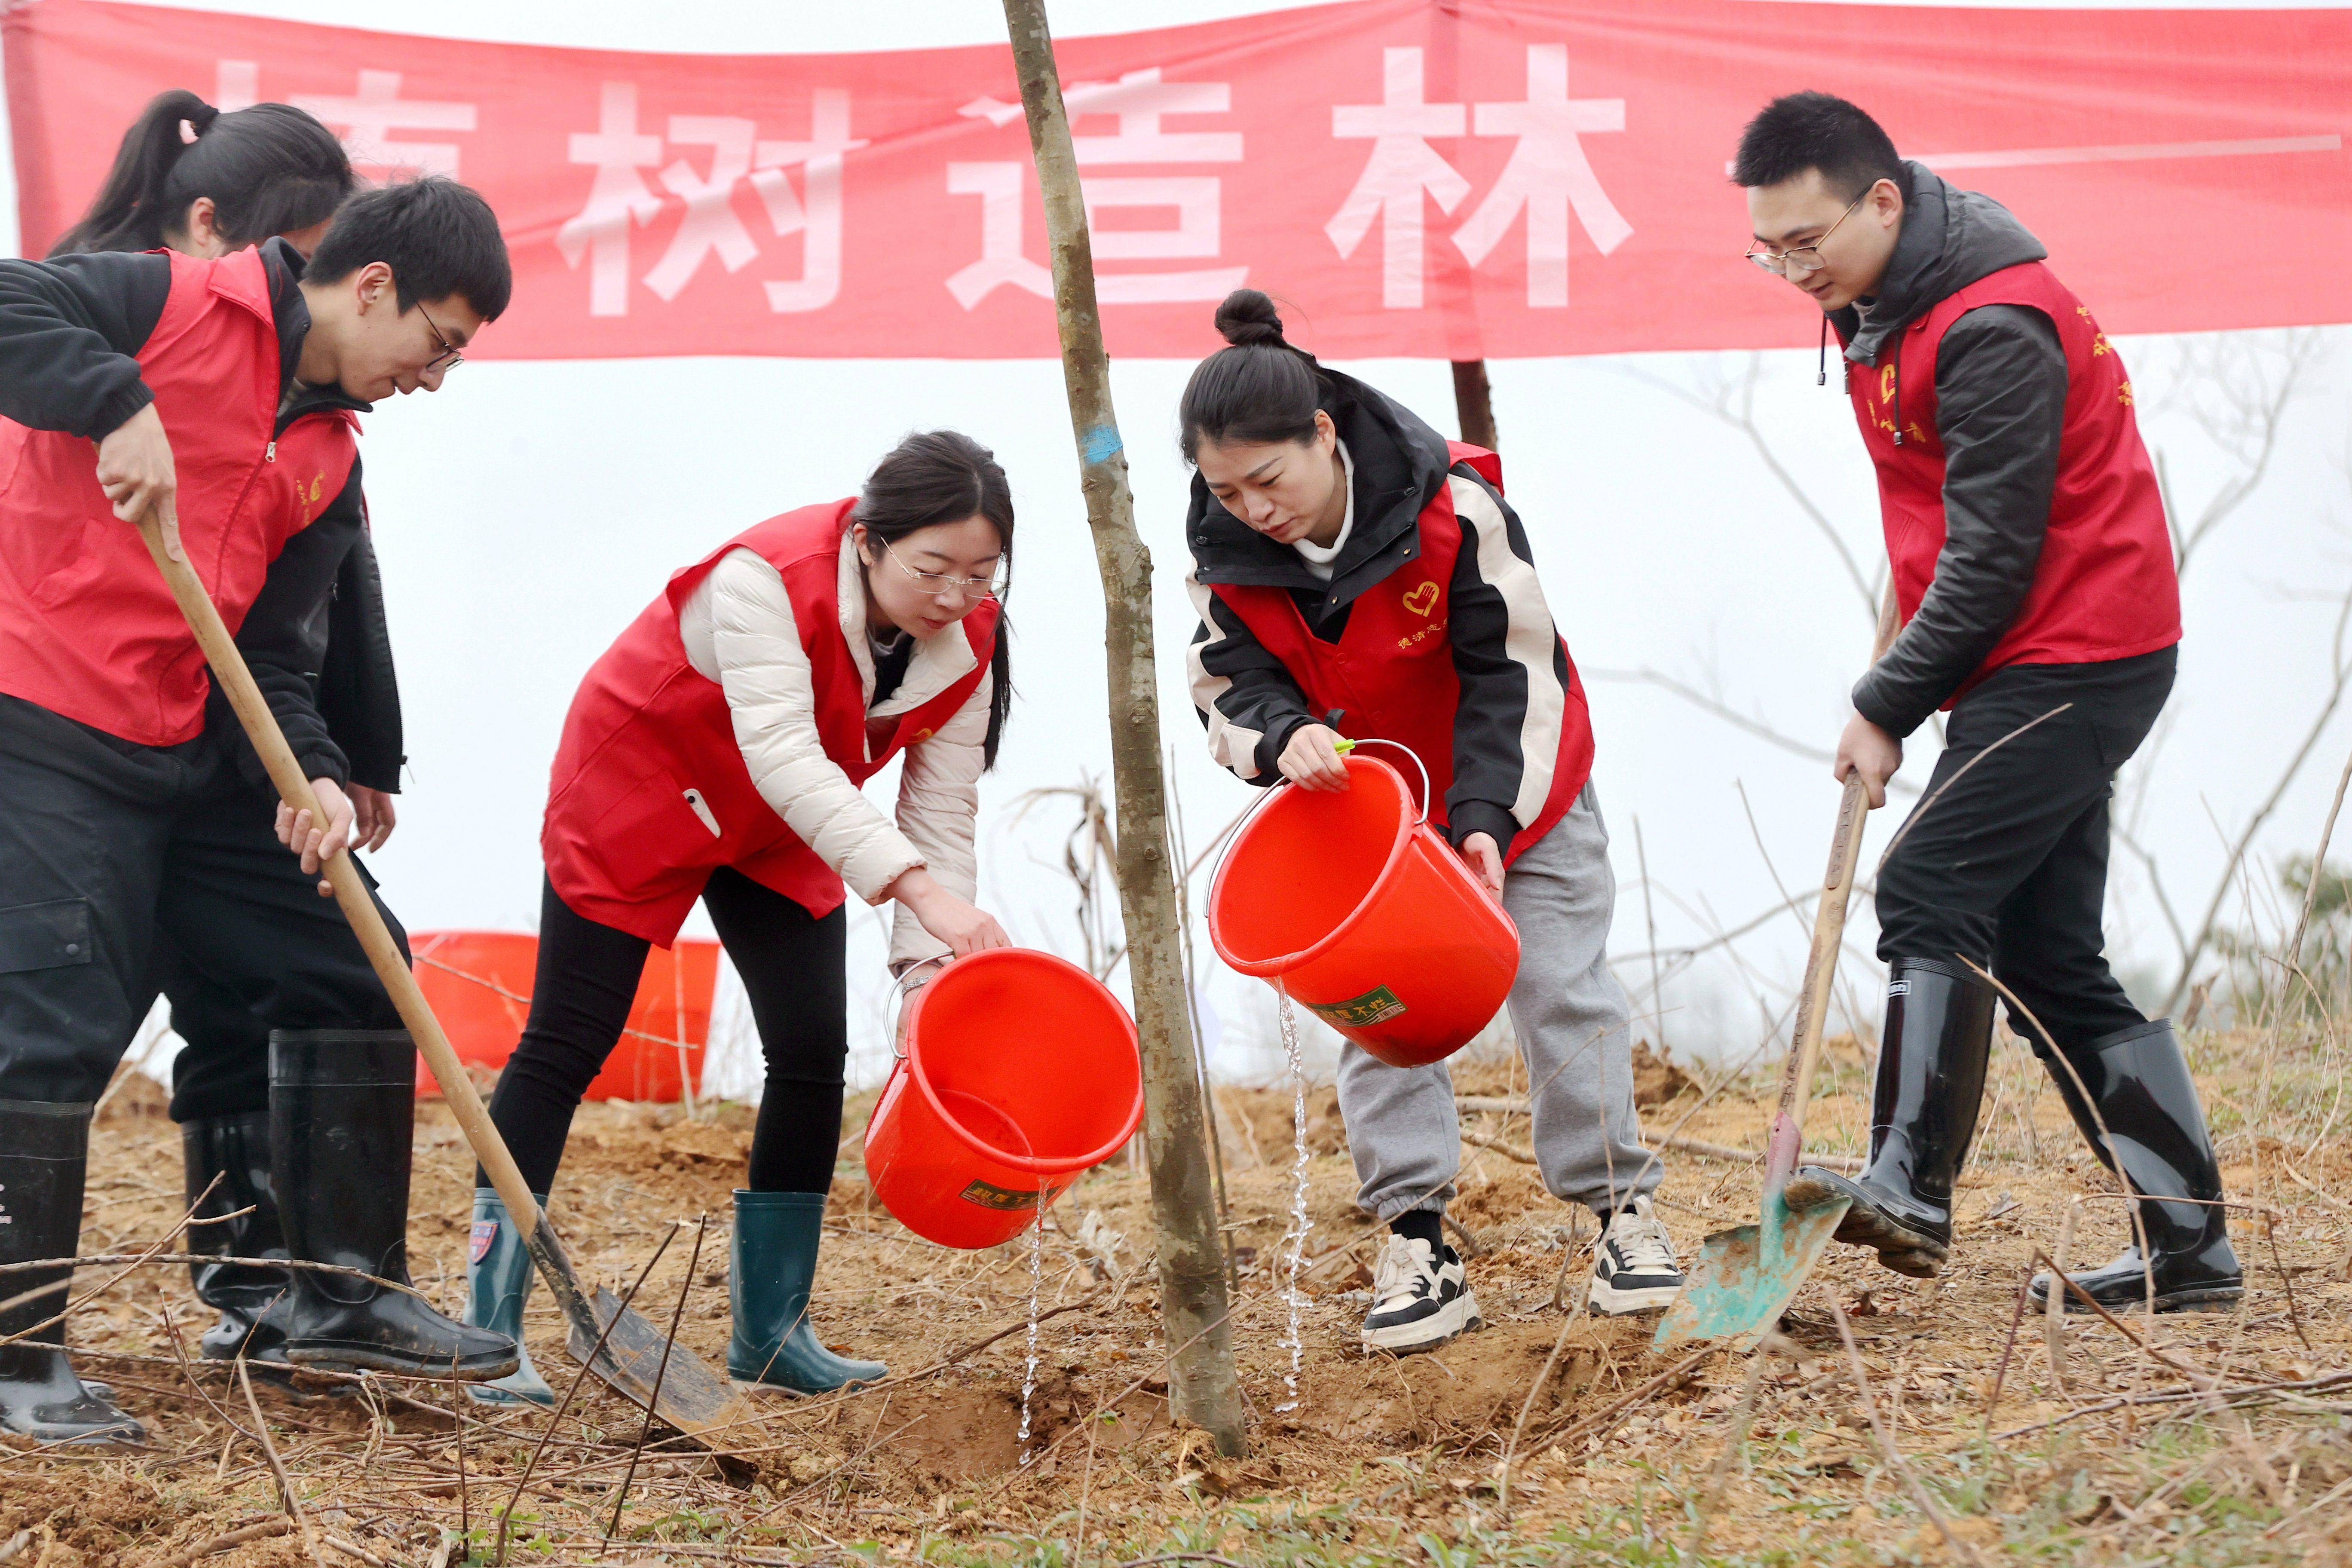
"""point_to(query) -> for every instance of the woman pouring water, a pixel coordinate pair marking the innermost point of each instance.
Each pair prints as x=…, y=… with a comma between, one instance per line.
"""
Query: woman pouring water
x=714, y=753
x=1356, y=574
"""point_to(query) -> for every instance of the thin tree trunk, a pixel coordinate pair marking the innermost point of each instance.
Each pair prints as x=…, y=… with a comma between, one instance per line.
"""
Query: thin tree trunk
x=1193, y=1302
x=1474, y=404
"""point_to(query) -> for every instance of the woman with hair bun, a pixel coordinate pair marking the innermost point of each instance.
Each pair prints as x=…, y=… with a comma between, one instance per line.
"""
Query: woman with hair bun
x=714, y=753
x=1357, y=574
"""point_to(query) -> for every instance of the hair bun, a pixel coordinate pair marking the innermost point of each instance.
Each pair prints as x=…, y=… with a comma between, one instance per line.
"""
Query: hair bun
x=1248, y=317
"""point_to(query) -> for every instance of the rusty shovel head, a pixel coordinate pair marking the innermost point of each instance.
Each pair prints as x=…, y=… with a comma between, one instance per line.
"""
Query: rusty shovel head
x=1744, y=1278
x=685, y=1392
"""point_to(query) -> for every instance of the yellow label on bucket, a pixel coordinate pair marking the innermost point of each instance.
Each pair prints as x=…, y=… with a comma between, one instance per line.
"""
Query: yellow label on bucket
x=1377, y=1005
x=990, y=1197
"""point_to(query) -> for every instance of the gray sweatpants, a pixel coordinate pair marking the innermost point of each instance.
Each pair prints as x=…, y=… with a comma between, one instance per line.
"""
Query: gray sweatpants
x=1569, y=1015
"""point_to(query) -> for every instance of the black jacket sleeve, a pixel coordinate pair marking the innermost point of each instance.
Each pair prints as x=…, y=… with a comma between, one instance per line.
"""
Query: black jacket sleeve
x=1512, y=669
x=284, y=639
x=1246, y=699
x=68, y=328
x=359, y=692
x=2000, y=396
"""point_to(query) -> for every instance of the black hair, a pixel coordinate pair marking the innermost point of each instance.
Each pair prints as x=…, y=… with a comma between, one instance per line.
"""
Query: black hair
x=1257, y=388
x=944, y=476
x=1815, y=130
x=439, y=238
x=269, y=169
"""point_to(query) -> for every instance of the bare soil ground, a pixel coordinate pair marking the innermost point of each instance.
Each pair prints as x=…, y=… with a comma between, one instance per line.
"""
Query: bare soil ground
x=2195, y=1450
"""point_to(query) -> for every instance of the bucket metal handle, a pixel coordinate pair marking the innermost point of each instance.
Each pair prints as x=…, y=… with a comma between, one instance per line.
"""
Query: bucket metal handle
x=1233, y=834
x=899, y=991
x=1347, y=745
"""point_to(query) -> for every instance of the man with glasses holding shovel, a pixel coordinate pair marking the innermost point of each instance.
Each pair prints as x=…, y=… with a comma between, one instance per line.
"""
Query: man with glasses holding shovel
x=218, y=396
x=2033, y=573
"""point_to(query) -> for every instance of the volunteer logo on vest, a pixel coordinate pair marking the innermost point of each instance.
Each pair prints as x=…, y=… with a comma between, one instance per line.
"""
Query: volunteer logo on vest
x=1421, y=600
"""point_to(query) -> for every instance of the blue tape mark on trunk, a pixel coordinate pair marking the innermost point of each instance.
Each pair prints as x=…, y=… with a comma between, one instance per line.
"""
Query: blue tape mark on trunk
x=1101, y=444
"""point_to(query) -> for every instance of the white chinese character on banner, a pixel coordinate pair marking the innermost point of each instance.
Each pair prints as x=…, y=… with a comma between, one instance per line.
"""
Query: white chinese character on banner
x=1138, y=101
x=1401, y=168
x=1548, y=174
x=371, y=115
x=711, y=227
x=815, y=217
x=618, y=198
x=367, y=119
x=1001, y=263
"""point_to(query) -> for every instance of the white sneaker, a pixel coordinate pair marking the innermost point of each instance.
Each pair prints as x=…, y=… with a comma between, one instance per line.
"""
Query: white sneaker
x=1418, y=1302
x=1633, y=1267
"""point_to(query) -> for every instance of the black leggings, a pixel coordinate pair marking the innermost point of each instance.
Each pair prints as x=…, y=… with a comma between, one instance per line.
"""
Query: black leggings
x=792, y=968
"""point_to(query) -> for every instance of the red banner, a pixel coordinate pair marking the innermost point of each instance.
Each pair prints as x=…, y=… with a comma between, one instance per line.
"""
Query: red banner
x=1480, y=177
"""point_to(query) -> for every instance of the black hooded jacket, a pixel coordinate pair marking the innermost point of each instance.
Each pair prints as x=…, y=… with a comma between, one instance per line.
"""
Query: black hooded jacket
x=2000, y=397
x=1399, y=462
x=315, y=636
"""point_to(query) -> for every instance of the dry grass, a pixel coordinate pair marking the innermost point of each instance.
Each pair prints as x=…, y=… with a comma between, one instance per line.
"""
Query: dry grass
x=1386, y=1461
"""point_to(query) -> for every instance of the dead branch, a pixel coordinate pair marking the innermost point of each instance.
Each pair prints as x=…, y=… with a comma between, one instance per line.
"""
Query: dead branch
x=2341, y=677
x=1912, y=1483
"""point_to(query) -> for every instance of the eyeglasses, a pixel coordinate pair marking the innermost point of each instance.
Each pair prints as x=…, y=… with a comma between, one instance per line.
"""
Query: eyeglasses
x=1801, y=260
x=941, y=582
x=451, y=357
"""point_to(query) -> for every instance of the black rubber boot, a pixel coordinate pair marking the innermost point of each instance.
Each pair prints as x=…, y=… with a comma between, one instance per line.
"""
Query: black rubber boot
x=1924, y=1104
x=44, y=1152
x=2140, y=1082
x=342, y=1112
x=236, y=1150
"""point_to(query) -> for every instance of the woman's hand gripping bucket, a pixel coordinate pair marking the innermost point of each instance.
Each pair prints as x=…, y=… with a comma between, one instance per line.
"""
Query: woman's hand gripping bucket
x=1348, y=902
x=1017, y=1073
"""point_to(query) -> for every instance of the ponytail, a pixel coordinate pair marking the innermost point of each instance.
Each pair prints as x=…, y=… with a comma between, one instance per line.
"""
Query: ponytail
x=268, y=169
x=1257, y=389
x=944, y=476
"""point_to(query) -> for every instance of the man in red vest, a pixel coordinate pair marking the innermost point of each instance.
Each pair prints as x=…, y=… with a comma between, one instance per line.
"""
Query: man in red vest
x=2033, y=571
x=223, y=392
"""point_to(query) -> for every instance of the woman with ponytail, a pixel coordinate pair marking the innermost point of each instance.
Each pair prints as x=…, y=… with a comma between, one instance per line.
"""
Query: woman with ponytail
x=192, y=179
x=715, y=751
x=1357, y=574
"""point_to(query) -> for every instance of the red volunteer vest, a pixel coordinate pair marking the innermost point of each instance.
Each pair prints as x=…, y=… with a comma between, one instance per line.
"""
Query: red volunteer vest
x=2104, y=587
x=650, y=792
x=87, y=627
x=1392, y=671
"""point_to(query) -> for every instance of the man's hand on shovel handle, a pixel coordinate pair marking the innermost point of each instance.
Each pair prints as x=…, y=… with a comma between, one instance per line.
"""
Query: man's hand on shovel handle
x=1866, y=748
x=318, y=842
x=136, y=471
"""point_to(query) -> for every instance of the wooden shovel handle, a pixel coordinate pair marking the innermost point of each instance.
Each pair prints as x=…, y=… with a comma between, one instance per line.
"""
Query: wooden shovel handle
x=228, y=667
x=1820, y=963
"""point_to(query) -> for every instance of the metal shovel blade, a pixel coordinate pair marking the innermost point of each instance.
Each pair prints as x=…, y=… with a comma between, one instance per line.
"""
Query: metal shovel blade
x=1744, y=1278
x=693, y=1398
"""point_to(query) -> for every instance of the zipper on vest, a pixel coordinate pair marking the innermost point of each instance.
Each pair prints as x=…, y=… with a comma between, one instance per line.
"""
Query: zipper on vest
x=702, y=809
x=269, y=453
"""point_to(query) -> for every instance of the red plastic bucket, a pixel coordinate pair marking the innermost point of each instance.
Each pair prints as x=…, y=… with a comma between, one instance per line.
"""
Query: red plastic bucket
x=479, y=984
x=1347, y=901
x=1021, y=1074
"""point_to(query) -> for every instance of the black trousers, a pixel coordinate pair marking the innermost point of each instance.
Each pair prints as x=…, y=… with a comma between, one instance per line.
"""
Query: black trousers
x=2008, y=866
x=103, y=844
x=793, y=971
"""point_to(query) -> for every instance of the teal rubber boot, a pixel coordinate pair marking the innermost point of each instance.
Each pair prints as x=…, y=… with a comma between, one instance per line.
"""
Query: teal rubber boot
x=497, y=1282
x=774, y=1261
